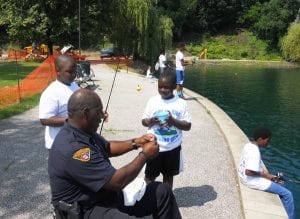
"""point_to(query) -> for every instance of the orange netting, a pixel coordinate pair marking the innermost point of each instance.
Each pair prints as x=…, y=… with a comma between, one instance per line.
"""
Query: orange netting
x=33, y=84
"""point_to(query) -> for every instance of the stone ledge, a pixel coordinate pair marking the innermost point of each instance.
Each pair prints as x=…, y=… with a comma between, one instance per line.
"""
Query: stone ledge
x=255, y=204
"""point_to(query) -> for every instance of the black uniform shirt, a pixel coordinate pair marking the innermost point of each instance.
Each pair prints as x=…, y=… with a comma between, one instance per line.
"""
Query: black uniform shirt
x=78, y=167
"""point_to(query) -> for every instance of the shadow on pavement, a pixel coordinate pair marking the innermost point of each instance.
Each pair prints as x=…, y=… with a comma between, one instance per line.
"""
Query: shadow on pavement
x=24, y=182
x=194, y=196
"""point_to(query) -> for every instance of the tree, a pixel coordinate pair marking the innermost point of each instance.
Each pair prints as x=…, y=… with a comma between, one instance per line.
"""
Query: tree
x=269, y=20
x=140, y=29
x=55, y=21
x=291, y=43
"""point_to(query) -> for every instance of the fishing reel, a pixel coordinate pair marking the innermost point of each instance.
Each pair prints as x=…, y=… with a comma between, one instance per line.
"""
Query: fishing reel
x=280, y=178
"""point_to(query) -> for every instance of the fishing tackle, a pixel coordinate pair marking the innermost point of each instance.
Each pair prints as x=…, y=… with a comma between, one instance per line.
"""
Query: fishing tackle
x=112, y=86
x=280, y=177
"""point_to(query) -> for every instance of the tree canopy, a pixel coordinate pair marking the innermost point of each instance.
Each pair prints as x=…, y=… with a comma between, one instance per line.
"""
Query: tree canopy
x=140, y=27
x=290, y=43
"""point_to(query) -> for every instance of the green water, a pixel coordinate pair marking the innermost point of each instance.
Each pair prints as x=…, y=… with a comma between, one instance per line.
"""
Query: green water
x=254, y=96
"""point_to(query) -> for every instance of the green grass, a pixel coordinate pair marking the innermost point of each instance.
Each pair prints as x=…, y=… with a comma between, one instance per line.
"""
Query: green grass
x=8, y=71
x=17, y=108
x=243, y=45
x=8, y=77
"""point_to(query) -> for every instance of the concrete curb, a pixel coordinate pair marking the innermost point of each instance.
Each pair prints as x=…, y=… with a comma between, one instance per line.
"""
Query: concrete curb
x=255, y=204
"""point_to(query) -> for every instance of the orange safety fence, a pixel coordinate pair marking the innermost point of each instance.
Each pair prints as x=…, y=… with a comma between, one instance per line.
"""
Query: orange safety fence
x=34, y=83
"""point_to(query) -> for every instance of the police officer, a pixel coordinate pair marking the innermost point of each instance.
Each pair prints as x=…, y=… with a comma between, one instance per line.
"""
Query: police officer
x=80, y=171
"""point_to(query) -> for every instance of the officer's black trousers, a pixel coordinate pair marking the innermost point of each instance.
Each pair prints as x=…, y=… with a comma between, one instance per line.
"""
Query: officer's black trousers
x=157, y=201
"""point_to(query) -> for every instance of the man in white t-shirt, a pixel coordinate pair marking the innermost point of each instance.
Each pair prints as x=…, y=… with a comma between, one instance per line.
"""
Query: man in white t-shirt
x=168, y=134
x=253, y=174
x=53, y=102
x=162, y=61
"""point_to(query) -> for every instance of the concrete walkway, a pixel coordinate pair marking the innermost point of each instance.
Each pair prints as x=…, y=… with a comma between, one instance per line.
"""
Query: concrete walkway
x=206, y=189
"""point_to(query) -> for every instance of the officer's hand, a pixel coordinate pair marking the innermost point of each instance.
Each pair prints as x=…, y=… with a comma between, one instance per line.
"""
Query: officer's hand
x=145, y=139
x=151, y=149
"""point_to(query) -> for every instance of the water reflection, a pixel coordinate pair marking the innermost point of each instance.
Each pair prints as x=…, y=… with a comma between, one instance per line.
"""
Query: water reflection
x=254, y=96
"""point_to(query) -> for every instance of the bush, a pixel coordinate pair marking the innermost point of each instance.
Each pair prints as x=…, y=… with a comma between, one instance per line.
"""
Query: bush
x=290, y=43
x=242, y=46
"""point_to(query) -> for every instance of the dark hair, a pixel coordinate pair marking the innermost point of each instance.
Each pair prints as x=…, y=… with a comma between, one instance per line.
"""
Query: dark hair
x=162, y=51
x=82, y=99
x=181, y=45
x=169, y=75
x=261, y=132
x=60, y=60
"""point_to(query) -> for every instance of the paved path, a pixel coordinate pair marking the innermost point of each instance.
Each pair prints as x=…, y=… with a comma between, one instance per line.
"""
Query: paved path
x=206, y=189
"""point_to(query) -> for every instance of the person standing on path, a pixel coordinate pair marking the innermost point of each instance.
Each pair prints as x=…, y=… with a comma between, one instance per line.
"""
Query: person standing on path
x=253, y=174
x=54, y=99
x=81, y=174
x=162, y=61
x=180, y=67
x=169, y=132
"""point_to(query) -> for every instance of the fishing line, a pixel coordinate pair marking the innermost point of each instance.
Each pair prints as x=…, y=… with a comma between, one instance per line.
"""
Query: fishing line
x=112, y=86
x=113, y=83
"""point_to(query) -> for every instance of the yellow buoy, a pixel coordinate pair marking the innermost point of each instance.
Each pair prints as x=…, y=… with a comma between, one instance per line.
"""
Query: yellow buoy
x=138, y=88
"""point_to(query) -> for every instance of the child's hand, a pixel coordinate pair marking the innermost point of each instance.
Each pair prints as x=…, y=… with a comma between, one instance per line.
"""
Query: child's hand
x=154, y=120
x=277, y=180
x=170, y=119
x=105, y=117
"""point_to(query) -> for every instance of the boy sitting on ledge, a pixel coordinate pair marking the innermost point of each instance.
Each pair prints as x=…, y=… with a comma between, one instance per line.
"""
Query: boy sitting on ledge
x=253, y=175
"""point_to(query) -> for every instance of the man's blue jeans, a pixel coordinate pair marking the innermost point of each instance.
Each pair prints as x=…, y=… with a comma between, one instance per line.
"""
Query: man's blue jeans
x=286, y=198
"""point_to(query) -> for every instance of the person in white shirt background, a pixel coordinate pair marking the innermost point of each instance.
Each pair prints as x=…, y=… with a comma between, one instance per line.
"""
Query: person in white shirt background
x=162, y=61
x=149, y=74
x=54, y=99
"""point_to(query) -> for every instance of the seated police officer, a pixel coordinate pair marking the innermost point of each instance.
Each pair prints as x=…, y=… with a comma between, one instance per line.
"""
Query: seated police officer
x=81, y=174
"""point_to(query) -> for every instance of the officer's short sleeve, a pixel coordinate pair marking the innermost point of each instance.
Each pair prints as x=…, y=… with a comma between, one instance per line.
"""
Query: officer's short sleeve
x=90, y=168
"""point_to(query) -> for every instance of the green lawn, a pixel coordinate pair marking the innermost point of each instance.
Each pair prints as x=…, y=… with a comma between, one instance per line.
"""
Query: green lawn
x=8, y=77
x=24, y=105
x=8, y=71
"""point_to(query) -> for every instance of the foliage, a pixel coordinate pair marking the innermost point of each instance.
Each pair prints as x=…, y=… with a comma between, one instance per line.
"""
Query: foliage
x=291, y=43
x=242, y=46
x=54, y=21
x=269, y=20
x=140, y=27
x=141, y=30
x=198, y=16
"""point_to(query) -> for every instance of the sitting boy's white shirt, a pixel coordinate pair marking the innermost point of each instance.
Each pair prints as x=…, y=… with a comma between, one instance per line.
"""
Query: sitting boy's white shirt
x=251, y=160
x=134, y=191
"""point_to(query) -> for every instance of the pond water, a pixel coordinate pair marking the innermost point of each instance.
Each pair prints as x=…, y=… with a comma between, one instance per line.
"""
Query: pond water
x=259, y=96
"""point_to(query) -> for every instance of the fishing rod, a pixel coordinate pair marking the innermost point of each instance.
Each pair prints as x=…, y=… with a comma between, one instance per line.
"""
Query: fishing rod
x=113, y=83
x=283, y=179
x=112, y=86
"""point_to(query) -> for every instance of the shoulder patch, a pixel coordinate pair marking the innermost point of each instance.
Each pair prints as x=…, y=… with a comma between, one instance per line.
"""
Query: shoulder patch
x=83, y=155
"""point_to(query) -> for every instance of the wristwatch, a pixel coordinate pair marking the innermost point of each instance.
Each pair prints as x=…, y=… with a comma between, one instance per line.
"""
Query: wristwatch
x=133, y=144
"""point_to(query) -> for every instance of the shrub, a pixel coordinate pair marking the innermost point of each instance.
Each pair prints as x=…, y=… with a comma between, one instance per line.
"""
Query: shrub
x=290, y=45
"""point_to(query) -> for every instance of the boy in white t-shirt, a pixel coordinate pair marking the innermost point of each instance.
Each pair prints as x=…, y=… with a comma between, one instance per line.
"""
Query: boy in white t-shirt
x=180, y=66
x=168, y=134
x=253, y=174
x=54, y=99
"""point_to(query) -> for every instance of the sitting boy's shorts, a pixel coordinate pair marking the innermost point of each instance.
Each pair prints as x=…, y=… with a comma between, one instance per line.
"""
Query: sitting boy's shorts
x=167, y=163
x=179, y=77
